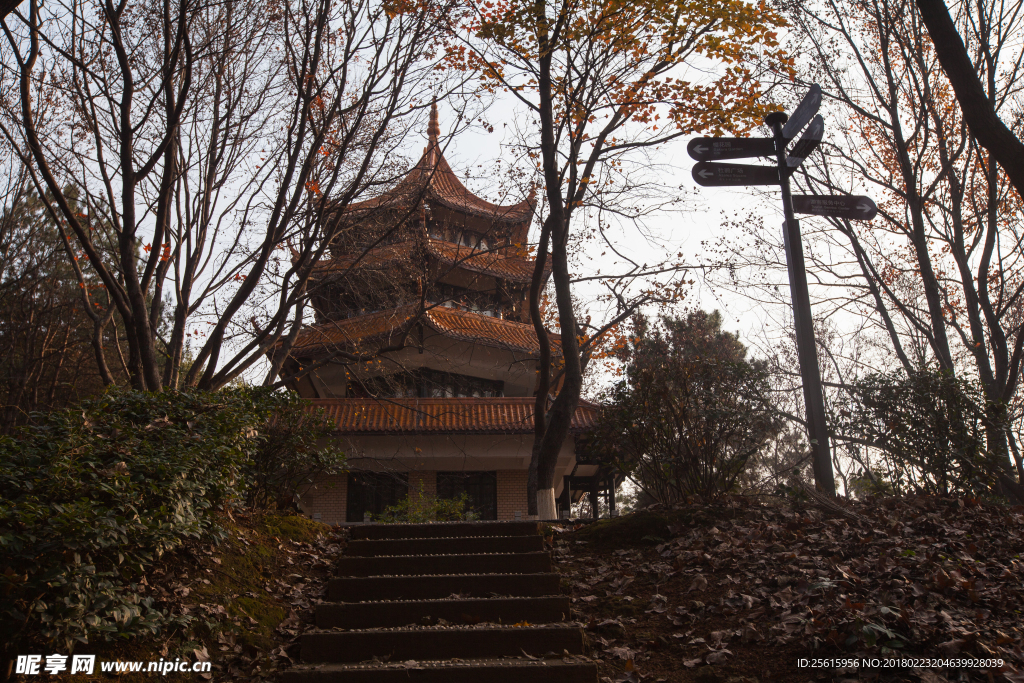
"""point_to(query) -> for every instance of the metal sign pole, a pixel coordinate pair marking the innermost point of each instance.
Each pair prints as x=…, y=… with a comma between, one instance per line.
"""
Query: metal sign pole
x=709, y=173
x=813, y=396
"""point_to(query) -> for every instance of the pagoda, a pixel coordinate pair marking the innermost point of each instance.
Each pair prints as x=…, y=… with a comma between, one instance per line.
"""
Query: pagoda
x=424, y=352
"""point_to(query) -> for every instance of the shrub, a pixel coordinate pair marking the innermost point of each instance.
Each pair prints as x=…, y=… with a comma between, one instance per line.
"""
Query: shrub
x=929, y=427
x=90, y=497
x=294, y=449
x=426, y=508
x=690, y=411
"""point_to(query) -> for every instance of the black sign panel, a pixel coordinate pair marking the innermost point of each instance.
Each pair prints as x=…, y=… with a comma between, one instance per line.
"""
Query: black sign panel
x=718, y=175
x=712, y=149
x=807, y=143
x=842, y=206
x=807, y=108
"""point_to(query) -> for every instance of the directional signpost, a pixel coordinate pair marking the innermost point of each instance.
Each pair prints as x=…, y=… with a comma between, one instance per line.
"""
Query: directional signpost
x=814, y=399
x=713, y=149
x=807, y=143
x=803, y=113
x=709, y=174
x=842, y=206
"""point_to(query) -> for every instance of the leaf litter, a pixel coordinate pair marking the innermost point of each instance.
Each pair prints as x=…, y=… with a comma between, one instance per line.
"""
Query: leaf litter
x=740, y=590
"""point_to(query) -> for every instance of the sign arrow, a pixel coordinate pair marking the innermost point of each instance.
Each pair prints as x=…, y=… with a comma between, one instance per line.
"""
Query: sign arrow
x=807, y=108
x=839, y=206
x=712, y=149
x=807, y=143
x=719, y=175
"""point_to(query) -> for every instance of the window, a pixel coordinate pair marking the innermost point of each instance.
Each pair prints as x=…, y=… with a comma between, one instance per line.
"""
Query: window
x=398, y=385
x=481, y=488
x=371, y=492
x=435, y=229
x=450, y=385
x=426, y=383
x=475, y=240
x=487, y=302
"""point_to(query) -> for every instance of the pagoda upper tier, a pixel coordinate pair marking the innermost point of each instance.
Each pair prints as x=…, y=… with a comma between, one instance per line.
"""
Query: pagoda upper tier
x=498, y=263
x=449, y=207
x=428, y=240
x=428, y=284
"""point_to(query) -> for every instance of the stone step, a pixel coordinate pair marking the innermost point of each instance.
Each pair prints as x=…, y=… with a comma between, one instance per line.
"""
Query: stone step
x=440, y=643
x=444, y=529
x=404, y=565
x=444, y=545
x=540, y=610
x=357, y=589
x=519, y=670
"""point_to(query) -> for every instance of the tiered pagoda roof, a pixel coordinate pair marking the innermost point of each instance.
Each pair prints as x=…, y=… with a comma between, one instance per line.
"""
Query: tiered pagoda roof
x=370, y=416
x=433, y=179
x=383, y=327
x=433, y=182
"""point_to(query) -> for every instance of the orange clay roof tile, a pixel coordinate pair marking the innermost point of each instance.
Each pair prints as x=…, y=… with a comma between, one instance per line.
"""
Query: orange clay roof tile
x=492, y=263
x=388, y=326
x=350, y=332
x=441, y=415
x=483, y=329
x=371, y=258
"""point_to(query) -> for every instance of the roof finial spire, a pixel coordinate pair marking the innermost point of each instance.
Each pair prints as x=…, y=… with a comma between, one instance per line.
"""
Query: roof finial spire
x=434, y=129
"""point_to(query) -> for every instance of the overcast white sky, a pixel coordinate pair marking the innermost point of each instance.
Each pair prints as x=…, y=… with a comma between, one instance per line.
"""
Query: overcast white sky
x=687, y=231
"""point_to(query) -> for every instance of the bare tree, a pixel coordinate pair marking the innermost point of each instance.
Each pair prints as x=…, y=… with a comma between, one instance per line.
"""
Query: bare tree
x=603, y=83
x=203, y=139
x=939, y=271
x=44, y=329
x=991, y=26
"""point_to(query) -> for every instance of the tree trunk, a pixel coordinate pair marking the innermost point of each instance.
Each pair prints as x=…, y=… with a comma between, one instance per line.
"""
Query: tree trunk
x=546, y=504
x=979, y=114
x=8, y=6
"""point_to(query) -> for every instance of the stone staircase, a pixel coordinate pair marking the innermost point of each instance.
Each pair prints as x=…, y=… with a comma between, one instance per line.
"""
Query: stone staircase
x=444, y=603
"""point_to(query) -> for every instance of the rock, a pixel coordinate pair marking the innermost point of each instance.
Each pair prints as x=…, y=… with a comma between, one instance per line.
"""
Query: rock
x=610, y=628
x=708, y=674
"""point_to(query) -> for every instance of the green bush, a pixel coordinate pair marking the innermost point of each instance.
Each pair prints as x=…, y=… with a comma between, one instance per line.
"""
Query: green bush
x=690, y=411
x=426, y=508
x=929, y=427
x=91, y=496
x=295, y=449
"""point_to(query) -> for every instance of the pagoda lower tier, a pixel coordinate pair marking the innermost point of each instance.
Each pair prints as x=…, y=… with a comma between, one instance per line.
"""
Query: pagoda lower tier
x=427, y=448
x=408, y=436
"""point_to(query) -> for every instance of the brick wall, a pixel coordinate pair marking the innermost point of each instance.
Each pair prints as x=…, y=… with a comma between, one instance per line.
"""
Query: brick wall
x=511, y=493
x=328, y=497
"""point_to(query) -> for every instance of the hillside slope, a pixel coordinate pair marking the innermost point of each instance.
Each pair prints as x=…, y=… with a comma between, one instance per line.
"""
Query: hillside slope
x=742, y=591
x=246, y=599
